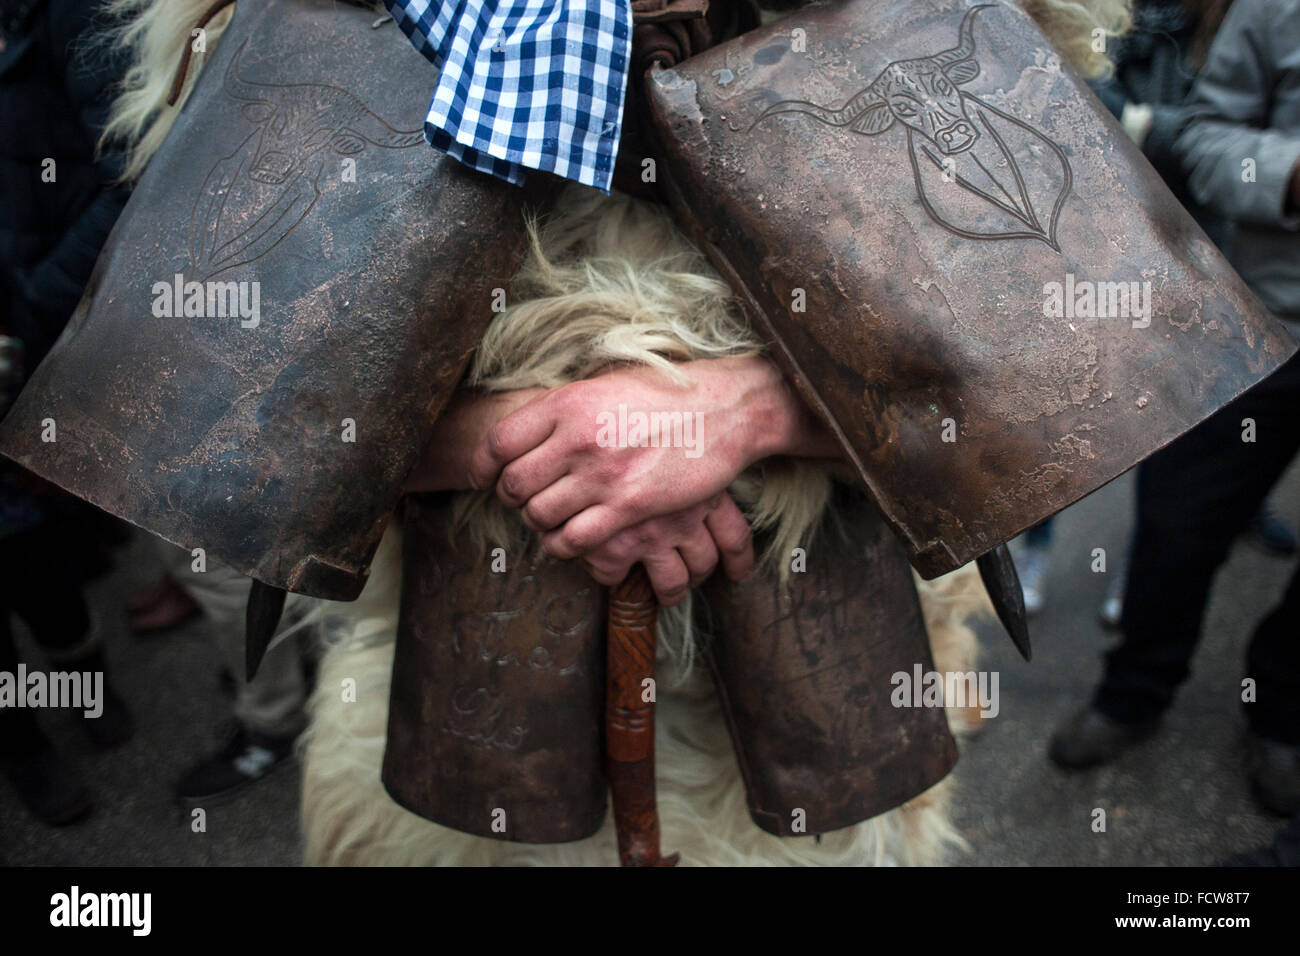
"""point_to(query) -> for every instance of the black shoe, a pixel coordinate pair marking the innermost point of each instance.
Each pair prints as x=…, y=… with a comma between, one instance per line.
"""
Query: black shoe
x=246, y=758
x=1090, y=739
x=47, y=786
x=1283, y=851
x=114, y=726
x=1275, y=775
x=1270, y=533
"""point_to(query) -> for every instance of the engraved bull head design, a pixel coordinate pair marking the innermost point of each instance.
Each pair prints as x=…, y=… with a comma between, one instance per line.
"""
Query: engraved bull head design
x=920, y=93
x=1012, y=180
x=296, y=121
x=272, y=180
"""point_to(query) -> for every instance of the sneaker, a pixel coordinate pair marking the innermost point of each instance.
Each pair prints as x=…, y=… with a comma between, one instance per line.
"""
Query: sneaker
x=1090, y=739
x=246, y=758
x=48, y=786
x=1275, y=775
x=1112, y=605
x=1268, y=532
x=1031, y=565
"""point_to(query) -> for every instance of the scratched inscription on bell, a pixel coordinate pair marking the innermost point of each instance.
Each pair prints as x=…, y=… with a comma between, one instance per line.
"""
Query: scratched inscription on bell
x=807, y=615
x=521, y=625
x=979, y=172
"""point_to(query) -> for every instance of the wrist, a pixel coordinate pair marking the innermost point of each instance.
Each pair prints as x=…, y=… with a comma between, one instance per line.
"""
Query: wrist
x=775, y=420
x=755, y=413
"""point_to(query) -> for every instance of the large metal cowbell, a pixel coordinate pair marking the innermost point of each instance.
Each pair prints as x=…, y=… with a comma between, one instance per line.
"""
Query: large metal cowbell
x=961, y=260
x=285, y=305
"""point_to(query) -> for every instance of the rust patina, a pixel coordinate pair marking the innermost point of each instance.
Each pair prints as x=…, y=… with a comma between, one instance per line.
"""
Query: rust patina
x=496, y=709
x=804, y=670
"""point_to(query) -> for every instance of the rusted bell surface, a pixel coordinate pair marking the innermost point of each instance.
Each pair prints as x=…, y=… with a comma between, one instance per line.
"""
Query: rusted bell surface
x=929, y=215
x=664, y=33
x=296, y=180
x=497, y=703
x=804, y=675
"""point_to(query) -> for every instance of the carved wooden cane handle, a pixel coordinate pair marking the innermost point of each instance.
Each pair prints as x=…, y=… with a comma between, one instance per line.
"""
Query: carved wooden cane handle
x=630, y=721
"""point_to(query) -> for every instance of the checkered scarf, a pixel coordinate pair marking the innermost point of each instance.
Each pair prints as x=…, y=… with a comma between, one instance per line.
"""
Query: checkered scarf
x=534, y=84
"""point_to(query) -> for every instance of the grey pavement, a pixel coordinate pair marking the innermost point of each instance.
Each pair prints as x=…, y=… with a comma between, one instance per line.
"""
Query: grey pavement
x=1180, y=798
x=171, y=682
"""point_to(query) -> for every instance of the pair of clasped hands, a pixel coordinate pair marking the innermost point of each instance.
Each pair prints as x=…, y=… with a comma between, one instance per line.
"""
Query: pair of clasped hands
x=614, y=506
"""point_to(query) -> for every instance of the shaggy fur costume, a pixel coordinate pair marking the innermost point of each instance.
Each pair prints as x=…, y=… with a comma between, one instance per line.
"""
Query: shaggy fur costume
x=607, y=280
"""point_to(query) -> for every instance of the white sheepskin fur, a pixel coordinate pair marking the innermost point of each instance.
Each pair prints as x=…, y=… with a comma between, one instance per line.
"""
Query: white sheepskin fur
x=608, y=279
x=348, y=819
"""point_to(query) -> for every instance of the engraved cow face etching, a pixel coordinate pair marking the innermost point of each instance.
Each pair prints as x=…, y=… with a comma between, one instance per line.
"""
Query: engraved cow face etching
x=1011, y=181
x=256, y=196
x=295, y=121
x=921, y=93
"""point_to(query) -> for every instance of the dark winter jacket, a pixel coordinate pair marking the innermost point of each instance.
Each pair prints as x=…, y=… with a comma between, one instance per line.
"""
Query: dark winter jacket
x=57, y=201
x=1152, y=69
x=57, y=78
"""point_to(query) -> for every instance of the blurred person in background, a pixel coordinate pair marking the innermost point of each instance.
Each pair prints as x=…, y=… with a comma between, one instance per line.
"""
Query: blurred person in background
x=1239, y=145
x=58, y=201
x=268, y=711
x=1155, y=65
x=161, y=607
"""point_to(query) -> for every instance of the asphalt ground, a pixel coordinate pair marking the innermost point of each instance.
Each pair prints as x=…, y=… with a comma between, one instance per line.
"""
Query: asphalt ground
x=1181, y=798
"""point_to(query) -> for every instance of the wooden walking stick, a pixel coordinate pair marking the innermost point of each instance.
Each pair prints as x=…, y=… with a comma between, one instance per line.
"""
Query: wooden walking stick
x=630, y=720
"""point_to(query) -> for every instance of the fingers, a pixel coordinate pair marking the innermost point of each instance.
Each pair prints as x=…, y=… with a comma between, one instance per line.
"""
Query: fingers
x=679, y=551
x=555, y=505
x=519, y=432
x=608, y=572
x=610, y=563
x=668, y=576
x=704, y=535
x=731, y=535
x=530, y=474
x=699, y=553
x=583, y=532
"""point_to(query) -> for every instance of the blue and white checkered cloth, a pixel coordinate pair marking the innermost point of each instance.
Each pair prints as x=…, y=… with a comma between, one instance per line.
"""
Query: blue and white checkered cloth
x=534, y=84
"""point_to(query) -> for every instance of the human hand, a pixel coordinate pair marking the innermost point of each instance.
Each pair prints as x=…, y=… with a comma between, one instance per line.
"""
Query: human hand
x=461, y=428
x=573, y=461
x=680, y=550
